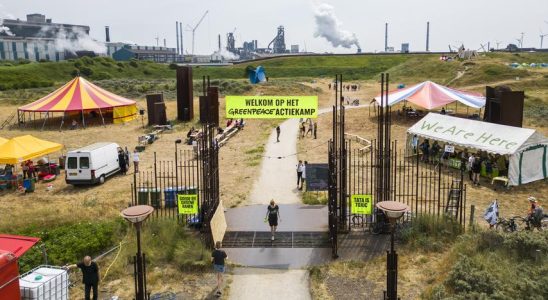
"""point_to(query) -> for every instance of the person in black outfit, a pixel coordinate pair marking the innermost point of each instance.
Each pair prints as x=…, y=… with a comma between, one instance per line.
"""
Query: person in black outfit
x=273, y=215
x=122, y=162
x=278, y=130
x=90, y=276
x=218, y=257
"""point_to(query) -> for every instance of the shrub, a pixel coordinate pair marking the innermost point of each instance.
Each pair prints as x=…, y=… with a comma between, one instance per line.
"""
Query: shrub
x=172, y=66
x=134, y=63
x=466, y=276
x=430, y=233
x=87, y=60
x=120, y=64
x=23, y=61
x=75, y=72
x=86, y=71
x=69, y=243
x=78, y=64
x=102, y=76
x=147, y=72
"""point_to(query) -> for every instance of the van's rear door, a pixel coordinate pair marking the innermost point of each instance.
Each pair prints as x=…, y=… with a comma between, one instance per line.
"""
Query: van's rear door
x=84, y=167
x=72, y=167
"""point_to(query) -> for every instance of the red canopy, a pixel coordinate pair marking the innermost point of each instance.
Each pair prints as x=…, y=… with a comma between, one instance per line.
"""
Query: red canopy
x=17, y=245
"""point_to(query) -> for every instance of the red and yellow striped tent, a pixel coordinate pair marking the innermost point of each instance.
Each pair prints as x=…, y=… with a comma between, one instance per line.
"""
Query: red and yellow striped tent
x=82, y=97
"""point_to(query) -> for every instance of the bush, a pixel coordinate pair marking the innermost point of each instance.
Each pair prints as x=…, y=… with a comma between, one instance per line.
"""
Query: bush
x=173, y=66
x=467, y=276
x=134, y=63
x=86, y=71
x=23, y=61
x=120, y=64
x=102, y=76
x=78, y=64
x=75, y=72
x=69, y=243
x=430, y=233
x=86, y=60
x=147, y=72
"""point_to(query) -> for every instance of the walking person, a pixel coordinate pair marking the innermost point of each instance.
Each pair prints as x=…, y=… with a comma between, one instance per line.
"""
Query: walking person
x=135, y=158
x=126, y=153
x=476, y=169
x=278, y=131
x=90, y=276
x=273, y=215
x=315, y=130
x=303, y=129
x=300, y=168
x=303, y=175
x=218, y=257
x=310, y=127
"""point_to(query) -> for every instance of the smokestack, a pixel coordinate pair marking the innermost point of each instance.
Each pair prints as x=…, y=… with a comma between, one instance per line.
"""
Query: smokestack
x=107, y=34
x=177, y=35
x=165, y=43
x=181, y=38
x=385, y=37
x=219, y=42
x=427, y=36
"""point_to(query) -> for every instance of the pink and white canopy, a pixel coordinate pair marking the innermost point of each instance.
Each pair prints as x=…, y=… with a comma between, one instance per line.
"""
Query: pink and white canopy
x=430, y=95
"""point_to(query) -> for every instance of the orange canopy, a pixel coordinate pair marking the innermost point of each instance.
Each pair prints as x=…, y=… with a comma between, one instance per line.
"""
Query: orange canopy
x=77, y=95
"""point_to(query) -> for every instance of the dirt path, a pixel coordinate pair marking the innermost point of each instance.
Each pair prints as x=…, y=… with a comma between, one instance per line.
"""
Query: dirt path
x=253, y=283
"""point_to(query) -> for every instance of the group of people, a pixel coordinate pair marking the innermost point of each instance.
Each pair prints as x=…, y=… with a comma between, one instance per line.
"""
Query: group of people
x=312, y=128
x=348, y=87
x=29, y=169
x=301, y=174
x=124, y=159
x=471, y=162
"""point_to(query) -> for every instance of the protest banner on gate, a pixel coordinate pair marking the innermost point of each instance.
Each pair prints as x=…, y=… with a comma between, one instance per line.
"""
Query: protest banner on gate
x=271, y=107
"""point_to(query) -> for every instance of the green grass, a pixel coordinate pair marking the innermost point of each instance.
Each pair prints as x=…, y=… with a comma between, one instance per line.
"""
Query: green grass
x=315, y=198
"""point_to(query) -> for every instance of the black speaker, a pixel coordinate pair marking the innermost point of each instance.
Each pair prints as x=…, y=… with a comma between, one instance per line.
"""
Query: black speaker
x=504, y=106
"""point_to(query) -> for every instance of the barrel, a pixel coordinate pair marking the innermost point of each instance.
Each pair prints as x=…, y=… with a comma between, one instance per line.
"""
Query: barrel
x=155, y=197
x=169, y=197
x=142, y=196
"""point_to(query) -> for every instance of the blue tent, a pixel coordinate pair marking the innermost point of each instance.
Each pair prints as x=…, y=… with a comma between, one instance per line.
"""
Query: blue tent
x=258, y=75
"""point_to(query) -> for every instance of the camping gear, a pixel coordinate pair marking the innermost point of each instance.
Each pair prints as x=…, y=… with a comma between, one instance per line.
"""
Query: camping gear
x=28, y=185
x=25, y=147
x=526, y=149
x=84, y=101
x=256, y=76
x=45, y=283
x=49, y=178
x=430, y=95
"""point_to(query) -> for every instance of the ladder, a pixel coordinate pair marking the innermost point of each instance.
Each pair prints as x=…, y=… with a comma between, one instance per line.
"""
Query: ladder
x=7, y=121
x=454, y=199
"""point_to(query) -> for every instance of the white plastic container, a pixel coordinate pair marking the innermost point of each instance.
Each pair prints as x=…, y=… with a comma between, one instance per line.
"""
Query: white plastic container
x=45, y=283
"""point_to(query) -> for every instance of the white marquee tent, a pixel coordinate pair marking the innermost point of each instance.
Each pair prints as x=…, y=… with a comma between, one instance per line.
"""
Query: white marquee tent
x=526, y=149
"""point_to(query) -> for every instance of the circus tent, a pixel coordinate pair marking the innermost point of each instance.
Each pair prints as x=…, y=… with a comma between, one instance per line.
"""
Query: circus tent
x=430, y=95
x=79, y=98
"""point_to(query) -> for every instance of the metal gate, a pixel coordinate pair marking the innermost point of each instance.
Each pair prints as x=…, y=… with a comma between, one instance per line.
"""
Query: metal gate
x=387, y=173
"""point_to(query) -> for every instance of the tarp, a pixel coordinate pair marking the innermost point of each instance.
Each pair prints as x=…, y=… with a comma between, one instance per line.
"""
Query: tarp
x=77, y=95
x=430, y=95
x=25, y=147
x=16, y=244
x=526, y=148
x=2, y=141
x=124, y=114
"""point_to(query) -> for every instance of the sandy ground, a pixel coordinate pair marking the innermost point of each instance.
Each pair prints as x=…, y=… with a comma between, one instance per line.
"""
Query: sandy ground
x=251, y=283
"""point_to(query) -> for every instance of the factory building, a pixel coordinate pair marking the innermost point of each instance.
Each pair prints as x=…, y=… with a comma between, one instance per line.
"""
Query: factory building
x=151, y=53
x=34, y=39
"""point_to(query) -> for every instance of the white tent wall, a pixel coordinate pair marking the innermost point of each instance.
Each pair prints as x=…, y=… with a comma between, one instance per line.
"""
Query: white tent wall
x=528, y=165
x=524, y=147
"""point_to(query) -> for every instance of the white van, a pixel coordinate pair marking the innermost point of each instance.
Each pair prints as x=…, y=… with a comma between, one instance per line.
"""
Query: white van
x=92, y=164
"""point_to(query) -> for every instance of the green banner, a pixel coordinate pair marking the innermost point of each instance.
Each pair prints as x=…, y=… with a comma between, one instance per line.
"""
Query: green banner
x=187, y=204
x=361, y=204
x=271, y=107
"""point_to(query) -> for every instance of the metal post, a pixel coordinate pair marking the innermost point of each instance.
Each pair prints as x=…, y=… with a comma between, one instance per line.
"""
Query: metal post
x=176, y=169
x=392, y=269
x=140, y=295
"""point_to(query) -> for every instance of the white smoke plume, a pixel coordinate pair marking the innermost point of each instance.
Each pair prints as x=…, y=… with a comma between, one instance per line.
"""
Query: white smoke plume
x=329, y=27
x=75, y=40
x=5, y=29
x=227, y=55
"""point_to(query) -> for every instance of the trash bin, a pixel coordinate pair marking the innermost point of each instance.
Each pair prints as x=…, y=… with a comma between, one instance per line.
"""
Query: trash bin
x=28, y=184
x=169, y=197
x=155, y=197
x=142, y=196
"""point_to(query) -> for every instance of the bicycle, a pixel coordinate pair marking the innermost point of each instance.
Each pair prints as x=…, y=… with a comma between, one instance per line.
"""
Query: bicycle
x=509, y=225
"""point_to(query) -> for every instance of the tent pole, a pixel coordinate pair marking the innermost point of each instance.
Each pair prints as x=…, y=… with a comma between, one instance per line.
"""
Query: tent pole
x=18, y=118
x=62, y=121
x=456, y=106
x=103, y=119
x=83, y=120
x=44, y=123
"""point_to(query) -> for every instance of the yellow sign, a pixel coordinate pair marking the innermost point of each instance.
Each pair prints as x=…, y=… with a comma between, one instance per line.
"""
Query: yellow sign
x=271, y=107
x=361, y=204
x=187, y=204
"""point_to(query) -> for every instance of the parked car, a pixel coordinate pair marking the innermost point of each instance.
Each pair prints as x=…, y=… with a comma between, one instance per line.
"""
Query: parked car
x=92, y=164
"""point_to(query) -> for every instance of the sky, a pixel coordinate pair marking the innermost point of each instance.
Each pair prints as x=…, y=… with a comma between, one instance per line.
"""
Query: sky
x=470, y=22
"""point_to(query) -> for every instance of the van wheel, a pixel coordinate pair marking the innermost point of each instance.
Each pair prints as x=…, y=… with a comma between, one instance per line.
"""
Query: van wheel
x=102, y=179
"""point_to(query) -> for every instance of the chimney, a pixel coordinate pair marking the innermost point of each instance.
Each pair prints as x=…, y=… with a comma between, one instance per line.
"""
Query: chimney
x=385, y=37
x=165, y=43
x=177, y=35
x=107, y=34
x=427, y=36
x=219, y=42
x=181, y=38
